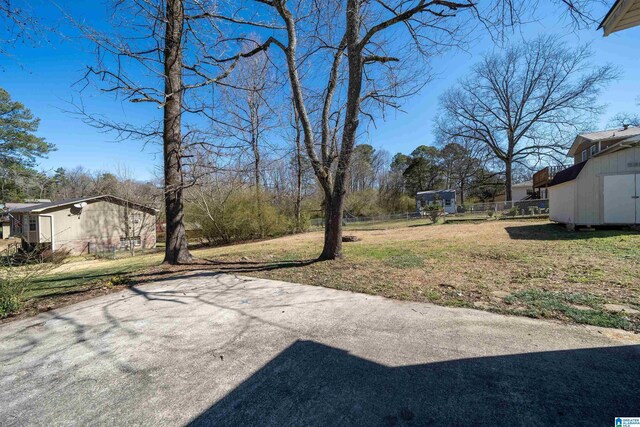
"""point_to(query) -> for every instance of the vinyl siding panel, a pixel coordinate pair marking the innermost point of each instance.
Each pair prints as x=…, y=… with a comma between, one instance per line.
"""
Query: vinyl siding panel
x=562, y=202
x=98, y=224
x=590, y=207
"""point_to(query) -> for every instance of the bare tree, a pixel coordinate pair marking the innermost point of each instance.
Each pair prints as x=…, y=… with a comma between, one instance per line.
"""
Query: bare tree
x=370, y=50
x=526, y=102
x=299, y=170
x=20, y=24
x=164, y=53
x=625, y=119
x=249, y=114
x=355, y=34
x=462, y=162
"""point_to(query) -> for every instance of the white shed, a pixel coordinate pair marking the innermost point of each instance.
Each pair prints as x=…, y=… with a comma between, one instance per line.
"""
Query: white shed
x=603, y=190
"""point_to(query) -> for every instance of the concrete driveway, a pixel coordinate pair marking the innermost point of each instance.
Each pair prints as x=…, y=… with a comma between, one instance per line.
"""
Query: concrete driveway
x=212, y=349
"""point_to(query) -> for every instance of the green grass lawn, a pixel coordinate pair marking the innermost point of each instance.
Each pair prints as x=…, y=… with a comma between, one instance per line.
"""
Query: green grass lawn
x=531, y=268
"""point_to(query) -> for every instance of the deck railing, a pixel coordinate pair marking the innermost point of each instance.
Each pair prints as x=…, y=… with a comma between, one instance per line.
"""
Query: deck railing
x=544, y=176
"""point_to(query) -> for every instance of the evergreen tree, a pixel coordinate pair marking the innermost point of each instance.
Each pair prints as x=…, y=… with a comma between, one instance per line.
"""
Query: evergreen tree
x=19, y=146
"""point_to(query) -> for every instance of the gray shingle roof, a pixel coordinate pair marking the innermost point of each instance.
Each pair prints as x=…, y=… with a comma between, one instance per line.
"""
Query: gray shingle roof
x=603, y=135
x=40, y=207
x=568, y=174
x=611, y=133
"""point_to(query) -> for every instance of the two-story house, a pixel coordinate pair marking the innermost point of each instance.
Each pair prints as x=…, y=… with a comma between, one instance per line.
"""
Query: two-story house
x=603, y=185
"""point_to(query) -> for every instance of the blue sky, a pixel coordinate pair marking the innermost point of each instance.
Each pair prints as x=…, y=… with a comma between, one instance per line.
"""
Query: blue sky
x=43, y=76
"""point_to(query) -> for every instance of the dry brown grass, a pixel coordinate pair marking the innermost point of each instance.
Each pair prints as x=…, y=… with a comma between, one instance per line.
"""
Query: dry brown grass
x=531, y=268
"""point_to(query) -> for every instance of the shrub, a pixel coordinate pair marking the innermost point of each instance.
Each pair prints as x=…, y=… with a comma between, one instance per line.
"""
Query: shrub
x=363, y=203
x=56, y=257
x=15, y=280
x=239, y=217
x=434, y=212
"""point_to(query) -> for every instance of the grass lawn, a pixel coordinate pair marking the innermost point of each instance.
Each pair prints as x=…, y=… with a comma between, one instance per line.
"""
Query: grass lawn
x=530, y=268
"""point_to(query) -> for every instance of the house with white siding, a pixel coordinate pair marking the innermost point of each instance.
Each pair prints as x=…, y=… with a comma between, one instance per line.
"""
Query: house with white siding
x=603, y=185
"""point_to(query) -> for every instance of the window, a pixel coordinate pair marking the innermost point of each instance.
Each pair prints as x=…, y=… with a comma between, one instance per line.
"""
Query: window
x=126, y=242
x=33, y=223
x=584, y=155
x=447, y=202
x=136, y=218
x=594, y=149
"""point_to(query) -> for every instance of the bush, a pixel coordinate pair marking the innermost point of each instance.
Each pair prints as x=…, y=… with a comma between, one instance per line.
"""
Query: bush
x=434, y=212
x=56, y=257
x=239, y=217
x=16, y=279
x=363, y=203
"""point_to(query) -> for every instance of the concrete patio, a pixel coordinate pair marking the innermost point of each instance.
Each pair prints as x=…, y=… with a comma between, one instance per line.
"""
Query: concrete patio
x=212, y=349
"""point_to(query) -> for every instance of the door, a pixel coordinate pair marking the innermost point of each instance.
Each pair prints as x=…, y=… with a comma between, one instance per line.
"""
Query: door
x=637, y=198
x=620, y=199
x=45, y=229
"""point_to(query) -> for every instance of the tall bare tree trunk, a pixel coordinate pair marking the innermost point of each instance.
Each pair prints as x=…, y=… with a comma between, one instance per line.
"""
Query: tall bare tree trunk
x=256, y=176
x=334, y=203
x=298, y=201
x=176, y=250
x=333, y=210
x=507, y=179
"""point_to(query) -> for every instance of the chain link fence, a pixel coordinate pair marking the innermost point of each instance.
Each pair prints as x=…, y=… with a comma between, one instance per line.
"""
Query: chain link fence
x=521, y=208
x=468, y=211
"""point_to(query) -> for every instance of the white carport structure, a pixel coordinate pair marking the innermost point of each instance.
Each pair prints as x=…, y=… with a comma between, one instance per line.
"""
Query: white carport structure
x=624, y=14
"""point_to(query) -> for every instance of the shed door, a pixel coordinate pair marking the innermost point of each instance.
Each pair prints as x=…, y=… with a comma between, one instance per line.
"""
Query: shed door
x=620, y=199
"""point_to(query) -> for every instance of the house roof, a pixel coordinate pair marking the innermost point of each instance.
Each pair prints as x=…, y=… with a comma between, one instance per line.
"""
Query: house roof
x=622, y=15
x=603, y=135
x=525, y=184
x=436, y=191
x=568, y=174
x=41, y=207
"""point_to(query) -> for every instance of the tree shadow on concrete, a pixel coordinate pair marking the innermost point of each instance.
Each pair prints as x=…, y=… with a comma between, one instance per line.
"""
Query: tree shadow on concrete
x=219, y=267
x=558, y=232
x=312, y=384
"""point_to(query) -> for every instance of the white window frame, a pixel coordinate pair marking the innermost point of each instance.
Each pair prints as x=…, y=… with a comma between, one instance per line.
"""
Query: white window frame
x=33, y=223
x=136, y=218
x=125, y=242
x=593, y=150
x=584, y=155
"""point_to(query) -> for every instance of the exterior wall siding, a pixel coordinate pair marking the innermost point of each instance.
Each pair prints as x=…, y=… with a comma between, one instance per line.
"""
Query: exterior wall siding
x=562, y=202
x=590, y=182
x=97, y=226
x=6, y=230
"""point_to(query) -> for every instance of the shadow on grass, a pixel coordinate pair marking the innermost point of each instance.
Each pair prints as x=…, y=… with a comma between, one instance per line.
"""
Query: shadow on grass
x=558, y=232
x=69, y=276
x=219, y=267
x=421, y=225
x=310, y=383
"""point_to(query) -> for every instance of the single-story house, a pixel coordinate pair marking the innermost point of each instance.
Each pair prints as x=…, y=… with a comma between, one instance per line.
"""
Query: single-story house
x=521, y=190
x=5, y=218
x=622, y=15
x=85, y=224
x=444, y=198
x=603, y=186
